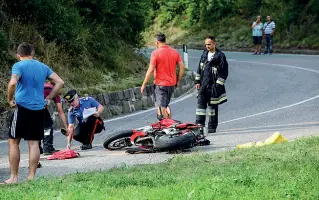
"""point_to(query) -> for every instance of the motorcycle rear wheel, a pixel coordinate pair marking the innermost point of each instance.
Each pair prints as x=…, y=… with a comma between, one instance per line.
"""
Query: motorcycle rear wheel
x=118, y=140
x=175, y=142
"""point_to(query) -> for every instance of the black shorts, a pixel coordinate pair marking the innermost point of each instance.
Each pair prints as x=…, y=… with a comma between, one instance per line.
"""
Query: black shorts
x=163, y=95
x=257, y=39
x=26, y=124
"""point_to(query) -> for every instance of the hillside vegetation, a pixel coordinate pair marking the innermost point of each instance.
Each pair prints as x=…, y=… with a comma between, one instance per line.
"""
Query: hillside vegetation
x=89, y=43
x=188, y=21
x=92, y=44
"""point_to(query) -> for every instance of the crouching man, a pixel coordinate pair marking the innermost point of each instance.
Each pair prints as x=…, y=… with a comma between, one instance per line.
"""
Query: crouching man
x=88, y=124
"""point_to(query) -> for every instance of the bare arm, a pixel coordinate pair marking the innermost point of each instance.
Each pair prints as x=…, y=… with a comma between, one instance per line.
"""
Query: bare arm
x=100, y=109
x=181, y=71
x=58, y=84
x=148, y=76
x=11, y=88
x=12, y=85
x=70, y=132
x=253, y=25
x=61, y=115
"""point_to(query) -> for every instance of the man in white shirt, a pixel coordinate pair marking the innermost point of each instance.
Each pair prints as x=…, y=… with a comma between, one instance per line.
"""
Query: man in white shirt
x=269, y=30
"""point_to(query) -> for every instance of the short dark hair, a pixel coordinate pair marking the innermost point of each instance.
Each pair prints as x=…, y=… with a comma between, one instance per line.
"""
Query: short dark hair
x=160, y=37
x=25, y=49
x=211, y=37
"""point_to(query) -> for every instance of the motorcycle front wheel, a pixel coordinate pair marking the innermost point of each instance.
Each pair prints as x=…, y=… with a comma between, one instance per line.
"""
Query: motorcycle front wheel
x=118, y=140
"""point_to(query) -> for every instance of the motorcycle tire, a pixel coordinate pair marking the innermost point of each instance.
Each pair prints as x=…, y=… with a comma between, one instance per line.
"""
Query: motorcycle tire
x=175, y=142
x=115, y=136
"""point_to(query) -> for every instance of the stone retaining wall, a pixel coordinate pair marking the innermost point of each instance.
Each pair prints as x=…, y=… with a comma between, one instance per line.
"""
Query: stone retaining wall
x=115, y=103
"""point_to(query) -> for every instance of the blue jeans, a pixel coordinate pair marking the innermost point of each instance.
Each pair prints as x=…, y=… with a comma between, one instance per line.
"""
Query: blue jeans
x=269, y=42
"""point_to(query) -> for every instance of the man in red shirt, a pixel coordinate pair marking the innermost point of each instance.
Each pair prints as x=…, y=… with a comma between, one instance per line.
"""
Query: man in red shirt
x=163, y=64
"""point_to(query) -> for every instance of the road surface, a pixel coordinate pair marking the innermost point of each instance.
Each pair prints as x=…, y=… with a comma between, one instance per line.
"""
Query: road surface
x=266, y=93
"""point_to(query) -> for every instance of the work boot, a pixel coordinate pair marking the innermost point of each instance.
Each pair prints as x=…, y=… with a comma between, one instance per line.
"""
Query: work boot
x=211, y=130
x=49, y=152
x=86, y=146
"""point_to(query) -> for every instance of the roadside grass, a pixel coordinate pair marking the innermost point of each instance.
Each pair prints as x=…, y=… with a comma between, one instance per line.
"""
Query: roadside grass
x=282, y=171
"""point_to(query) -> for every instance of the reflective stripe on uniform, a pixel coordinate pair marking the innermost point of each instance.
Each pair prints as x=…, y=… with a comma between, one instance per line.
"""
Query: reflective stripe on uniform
x=220, y=81
x=218, y=100
x=200, y=111
x=201, y=65
x=197, y=77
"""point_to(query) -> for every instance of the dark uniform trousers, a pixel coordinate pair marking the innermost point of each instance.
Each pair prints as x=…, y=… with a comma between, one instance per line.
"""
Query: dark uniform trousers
x=85, y=131
x=48, y=132
x=203, y=101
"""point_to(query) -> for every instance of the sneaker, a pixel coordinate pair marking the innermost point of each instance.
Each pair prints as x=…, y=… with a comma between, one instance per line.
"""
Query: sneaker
x=265, y=52
x=46, y=153
x=211, y=130
x=255, y=53
x=86, y=146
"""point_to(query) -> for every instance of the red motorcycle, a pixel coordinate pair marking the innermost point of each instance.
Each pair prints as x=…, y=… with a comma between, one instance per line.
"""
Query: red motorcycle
x=165, y=135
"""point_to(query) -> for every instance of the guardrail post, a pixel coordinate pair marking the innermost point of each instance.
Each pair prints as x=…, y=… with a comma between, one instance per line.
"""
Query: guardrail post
x=185, y=55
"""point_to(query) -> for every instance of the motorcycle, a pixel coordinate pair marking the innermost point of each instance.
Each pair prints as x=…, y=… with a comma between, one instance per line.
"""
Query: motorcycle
x=165, y=135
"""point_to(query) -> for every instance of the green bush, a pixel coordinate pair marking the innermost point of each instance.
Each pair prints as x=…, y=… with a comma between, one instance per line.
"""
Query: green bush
x=89, y=43
x=230, y=20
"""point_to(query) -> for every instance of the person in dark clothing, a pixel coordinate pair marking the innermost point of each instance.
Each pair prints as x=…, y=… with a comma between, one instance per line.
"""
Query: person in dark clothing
x=211, y=75
x=48, y=148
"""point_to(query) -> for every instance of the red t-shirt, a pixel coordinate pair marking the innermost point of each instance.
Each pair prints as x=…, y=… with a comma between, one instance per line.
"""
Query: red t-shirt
x=47, y=89
x=165, y=59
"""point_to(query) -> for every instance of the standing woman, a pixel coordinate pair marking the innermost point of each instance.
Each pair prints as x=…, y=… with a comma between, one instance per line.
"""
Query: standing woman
x=257, y=34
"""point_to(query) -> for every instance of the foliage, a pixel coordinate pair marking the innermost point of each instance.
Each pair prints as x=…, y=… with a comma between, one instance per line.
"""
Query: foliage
x=226, y=18
x=83, y=40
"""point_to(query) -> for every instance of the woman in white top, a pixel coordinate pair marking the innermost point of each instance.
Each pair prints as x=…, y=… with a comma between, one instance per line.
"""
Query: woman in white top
x=257, y=34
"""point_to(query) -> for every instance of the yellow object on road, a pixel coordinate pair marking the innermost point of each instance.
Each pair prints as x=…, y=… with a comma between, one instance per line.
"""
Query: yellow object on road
x=246, y=145
x=274, y=139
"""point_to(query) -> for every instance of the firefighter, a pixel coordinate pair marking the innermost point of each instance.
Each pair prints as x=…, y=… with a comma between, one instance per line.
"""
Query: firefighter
x=210, y=78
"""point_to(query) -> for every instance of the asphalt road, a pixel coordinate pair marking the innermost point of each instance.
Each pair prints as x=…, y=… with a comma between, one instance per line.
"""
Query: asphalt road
x=266, y=93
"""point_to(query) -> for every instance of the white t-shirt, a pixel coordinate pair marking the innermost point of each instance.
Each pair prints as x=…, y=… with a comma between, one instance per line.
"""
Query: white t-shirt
x=210, y=56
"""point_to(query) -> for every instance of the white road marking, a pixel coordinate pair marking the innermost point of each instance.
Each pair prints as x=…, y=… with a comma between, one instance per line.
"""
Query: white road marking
x=273, y=110
x=271, y=126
